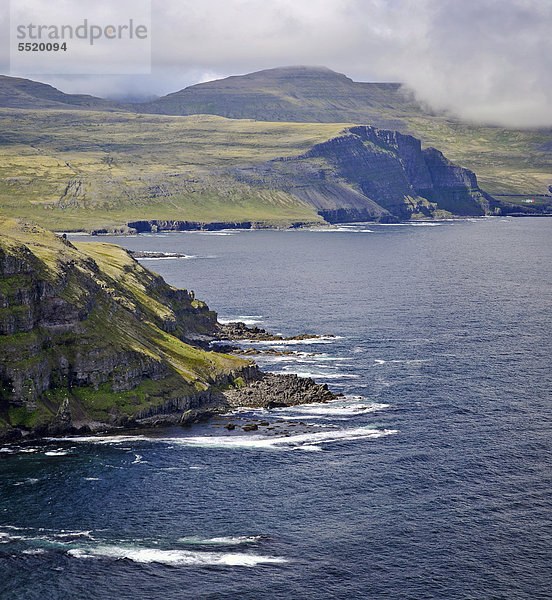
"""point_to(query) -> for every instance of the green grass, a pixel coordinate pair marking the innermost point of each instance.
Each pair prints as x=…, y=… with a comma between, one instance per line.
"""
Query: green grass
x=75, y=170
x=83, y=170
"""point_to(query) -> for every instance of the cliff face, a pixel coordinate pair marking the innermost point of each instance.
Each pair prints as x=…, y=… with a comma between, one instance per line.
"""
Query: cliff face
x=371, y=174
x=89, y=336
x=391, y=170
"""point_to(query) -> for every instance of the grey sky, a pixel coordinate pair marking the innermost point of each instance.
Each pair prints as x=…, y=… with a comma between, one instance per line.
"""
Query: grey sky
x=486, y=60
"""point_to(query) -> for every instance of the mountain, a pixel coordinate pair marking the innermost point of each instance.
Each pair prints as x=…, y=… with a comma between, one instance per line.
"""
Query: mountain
x=292, y=94
x=368, y=174
x=516, y=163
x=75, y=168
x=16, y=92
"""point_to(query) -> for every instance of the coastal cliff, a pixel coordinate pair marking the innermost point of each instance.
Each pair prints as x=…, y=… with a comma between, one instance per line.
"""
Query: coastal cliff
x=369, y=174
x=89, y=340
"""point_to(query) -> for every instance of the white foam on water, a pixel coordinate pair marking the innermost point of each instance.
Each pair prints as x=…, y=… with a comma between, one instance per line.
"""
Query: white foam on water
x=74, y=534
x=56, y=453
x=260, y=442
x=345, y=228
x=29, y=481
x=176, y=558
x=105, y=439
x=325, y=358
x=288, y=442
x=217, y=232
x=190, y=257
x=332, y=409
x=92, y=479
x=307, y=341
x=220, y=541
x=246, y=319
x=34, y=551
x=300, y=357
x=423, y=224
x=379, y=361
x=138, y=460
x=308, y=448
x=321, y=374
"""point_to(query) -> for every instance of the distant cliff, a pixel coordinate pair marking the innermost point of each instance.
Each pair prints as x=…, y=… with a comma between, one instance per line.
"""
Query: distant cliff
x=373, y=174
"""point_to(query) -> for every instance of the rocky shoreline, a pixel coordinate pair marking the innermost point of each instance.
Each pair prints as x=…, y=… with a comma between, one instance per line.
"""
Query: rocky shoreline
x=250, y=388
x=256, y=390
x=237, y=331
x=92, y=341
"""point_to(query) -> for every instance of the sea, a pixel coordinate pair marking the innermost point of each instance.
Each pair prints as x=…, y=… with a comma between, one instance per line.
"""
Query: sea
x=430, y=477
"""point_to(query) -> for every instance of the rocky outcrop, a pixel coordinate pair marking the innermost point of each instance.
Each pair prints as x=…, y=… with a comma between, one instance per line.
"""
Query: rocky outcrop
x=392, y=170
x=155, y=225
x=240, y=331
x=272, y=390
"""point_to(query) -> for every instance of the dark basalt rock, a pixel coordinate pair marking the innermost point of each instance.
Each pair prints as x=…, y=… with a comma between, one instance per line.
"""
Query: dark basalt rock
x=272, y=390
x=240, y=331
x=155, y=225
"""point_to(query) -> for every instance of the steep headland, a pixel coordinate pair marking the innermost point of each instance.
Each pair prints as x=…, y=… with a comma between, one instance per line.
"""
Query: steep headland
x=368, y=174
x=89, y=340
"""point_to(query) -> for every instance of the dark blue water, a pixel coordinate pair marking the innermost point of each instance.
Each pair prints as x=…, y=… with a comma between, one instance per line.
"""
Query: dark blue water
x=431, y=479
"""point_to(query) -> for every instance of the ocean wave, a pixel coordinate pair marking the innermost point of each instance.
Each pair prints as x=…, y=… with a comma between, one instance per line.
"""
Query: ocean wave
x=233, y=232
x=303, y=441
x=190, y=257
x=175, y=558
x=261, y=442
x=220, y=541
x=406, y=361
x=299, y=357
x=246, y=319
x=104, y=439
x=307, y=341
x=342, y=229
x=332, y=409
x=321, y=374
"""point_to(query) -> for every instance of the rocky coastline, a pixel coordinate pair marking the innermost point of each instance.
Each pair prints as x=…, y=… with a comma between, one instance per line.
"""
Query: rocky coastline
x=91, y=341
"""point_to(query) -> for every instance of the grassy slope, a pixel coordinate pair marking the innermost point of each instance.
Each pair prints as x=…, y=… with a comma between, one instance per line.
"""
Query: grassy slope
x=79, y=169
x=123, y=289
x=506, y=161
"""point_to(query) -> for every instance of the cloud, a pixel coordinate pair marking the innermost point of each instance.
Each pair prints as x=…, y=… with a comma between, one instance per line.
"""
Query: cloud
x=483, y=60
